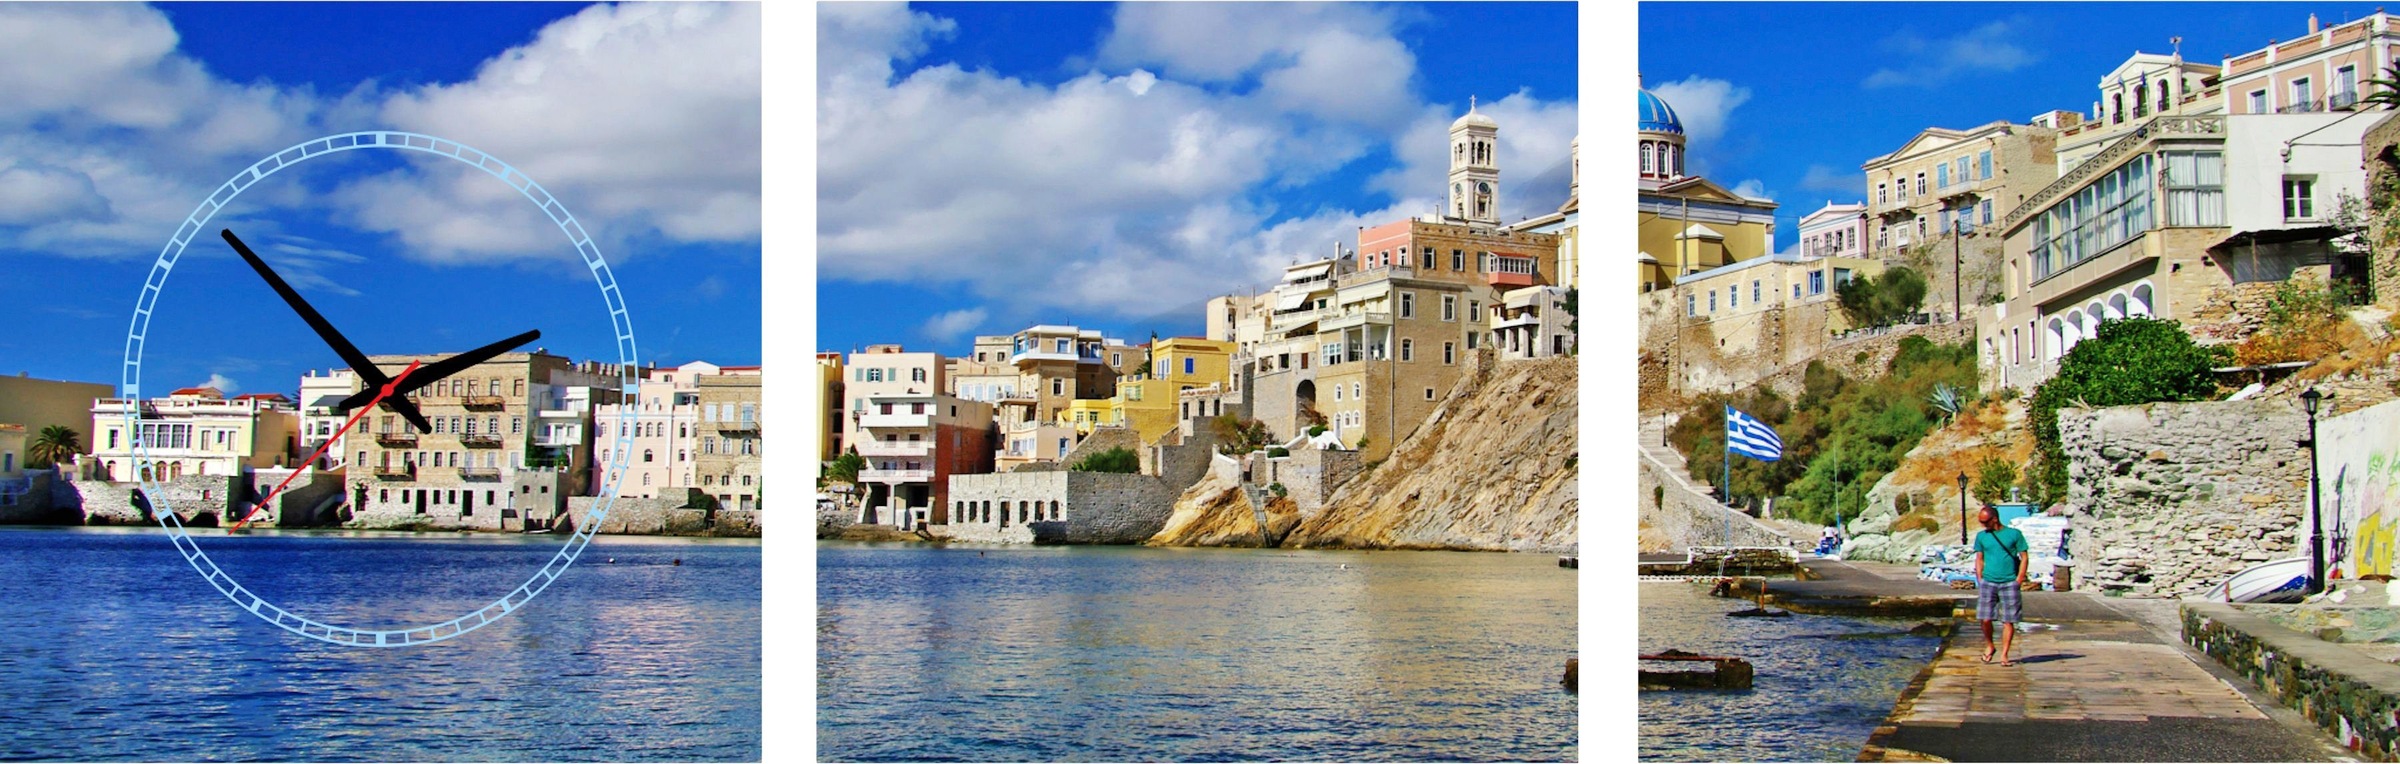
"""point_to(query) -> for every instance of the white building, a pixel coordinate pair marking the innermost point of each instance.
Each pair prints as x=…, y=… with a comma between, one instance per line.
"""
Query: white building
x=193, y=431
x=666, y=432
x=1531, y=322
x=319, y=421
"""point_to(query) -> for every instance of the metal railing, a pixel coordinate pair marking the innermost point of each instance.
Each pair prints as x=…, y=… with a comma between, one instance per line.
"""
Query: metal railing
x=482, y=401
x=2130, y=142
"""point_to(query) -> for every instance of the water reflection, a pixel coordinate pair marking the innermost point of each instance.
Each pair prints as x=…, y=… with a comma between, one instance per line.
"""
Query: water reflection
x=1172, y=654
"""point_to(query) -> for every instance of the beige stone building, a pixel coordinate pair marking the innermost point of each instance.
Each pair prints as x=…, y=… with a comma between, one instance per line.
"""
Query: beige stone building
x=193, y=431
x=511, y=440
x=830, y=399
x=732, y=426
x=39, y=403
x=1056, y=366
x=2146, y=85
x=1933, y=201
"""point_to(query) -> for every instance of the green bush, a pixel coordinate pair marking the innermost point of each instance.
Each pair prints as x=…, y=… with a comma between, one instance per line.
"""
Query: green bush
x=1883, y=299
x=1993, y=478
x=1277, y=452
x=1316, y=430
x=2127, y=361
x=1119, y=460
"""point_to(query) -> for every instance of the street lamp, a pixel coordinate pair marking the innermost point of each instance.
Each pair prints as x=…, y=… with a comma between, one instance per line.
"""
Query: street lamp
x=1962, y=509
x=2316, y=529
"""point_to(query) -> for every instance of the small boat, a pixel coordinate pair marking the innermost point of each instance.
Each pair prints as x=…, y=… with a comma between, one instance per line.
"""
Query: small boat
x=2284, y=580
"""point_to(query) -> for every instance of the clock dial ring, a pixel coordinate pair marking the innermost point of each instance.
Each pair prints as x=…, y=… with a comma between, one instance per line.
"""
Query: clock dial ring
x=194, y=225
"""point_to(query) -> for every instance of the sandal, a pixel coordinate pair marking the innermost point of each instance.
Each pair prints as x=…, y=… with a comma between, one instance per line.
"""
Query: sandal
x=1987, y=654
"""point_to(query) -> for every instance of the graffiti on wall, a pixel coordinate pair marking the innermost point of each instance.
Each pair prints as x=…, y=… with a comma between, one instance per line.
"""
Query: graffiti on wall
x=2359, y=464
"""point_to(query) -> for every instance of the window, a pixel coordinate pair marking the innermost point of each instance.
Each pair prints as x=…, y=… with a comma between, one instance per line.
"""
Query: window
x=916, y=375
x=2258, y=101
x=1986, y=206
x=1191, y=366
x=1881, y=196
x=1449, y=307
x=1983, y=166
x=2345, y=82
x=2303, y=95
x=1920, y=183
x=1058, y=386
x=1646, y=168
x=1429, y=393
x=2111, y=210
x=2299, y=202
x=1959, y=169
x=1428, y=257
x=1408, y=305
x=2195, y=183
x=1941, y=176
x=1337, y=392
x=1691, y=305
x=1733, y=296
x=1458, y=260
x=1408, y=349
x=1449, y=353
x=1754, y=290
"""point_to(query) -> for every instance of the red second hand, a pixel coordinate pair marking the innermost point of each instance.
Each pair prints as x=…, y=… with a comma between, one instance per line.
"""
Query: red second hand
x=388, y=386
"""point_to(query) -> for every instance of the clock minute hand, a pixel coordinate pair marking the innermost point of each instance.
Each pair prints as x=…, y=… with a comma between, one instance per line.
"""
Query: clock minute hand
x=325, y=331
x=438, y=370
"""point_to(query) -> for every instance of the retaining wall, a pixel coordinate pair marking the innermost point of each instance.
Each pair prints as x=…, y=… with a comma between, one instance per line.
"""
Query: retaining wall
x=2349, y=695
x=1687, y=519
x=2169, y=499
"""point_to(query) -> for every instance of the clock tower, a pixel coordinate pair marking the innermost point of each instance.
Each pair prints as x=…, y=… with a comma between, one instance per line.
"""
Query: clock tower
x=1474, y=168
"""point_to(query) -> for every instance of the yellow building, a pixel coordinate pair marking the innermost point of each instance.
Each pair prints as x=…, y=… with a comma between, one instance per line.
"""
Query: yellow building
x=1688, y=224
x=1150, y=402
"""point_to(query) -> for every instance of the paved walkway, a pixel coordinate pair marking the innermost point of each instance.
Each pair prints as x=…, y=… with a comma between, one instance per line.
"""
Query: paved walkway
x=2090, y=684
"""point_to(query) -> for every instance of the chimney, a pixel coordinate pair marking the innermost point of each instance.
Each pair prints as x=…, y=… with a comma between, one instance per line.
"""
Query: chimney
x=2312, y=23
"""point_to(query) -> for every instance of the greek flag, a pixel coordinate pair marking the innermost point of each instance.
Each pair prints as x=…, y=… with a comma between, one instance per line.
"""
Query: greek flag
x=1749, y=437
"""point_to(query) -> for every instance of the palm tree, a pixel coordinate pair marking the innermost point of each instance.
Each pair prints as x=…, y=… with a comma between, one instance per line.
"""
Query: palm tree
x=55, y=445
x=2384, y=90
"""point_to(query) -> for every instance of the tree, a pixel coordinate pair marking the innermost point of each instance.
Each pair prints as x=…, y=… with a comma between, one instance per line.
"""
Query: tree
x=2127, y=361
x=1881, y=300
x=2385, y=90
x=53, y=446
x=844, y=468
x=1239, y=436
x=1119, y=459
x=1993, y=478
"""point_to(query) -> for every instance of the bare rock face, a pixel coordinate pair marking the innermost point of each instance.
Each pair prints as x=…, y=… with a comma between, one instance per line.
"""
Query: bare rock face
x=1494, y=468
x=1215, y=512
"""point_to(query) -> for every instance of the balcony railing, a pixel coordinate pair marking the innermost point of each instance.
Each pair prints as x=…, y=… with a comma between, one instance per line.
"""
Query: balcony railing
x=479, y=474
x=2342, y=101
x=396, y=439
x=482, y=402
x=2303, y=107
x=895, y=476
x=896, y=448
x=732, y=425
x=396, y=471
x=479, y=441
x=2156, y=128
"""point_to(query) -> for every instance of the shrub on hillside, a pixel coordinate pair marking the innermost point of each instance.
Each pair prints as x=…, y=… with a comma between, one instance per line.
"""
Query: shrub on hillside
x=2127, y=361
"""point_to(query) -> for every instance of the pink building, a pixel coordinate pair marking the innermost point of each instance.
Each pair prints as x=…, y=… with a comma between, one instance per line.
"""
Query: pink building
x=1838, y=230
x=666, y=432
x=2324, y=70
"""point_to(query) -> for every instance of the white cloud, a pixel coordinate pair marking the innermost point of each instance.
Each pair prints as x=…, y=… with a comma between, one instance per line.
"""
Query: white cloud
x=1705, y=106
x=1929, y=61
x=223, y=384
x=952, y=325
x=1752, y=188
x=1133, y=191
x=643, y=118
x=1825, y=178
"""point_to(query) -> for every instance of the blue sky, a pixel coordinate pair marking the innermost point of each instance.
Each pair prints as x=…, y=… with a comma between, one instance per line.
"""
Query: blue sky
x=987, y=167
x=121, y=118
x=1788, y=100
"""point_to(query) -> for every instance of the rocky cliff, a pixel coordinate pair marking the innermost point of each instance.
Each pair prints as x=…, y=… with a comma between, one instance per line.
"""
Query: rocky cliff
x=1492, y=469
x=1214, y=512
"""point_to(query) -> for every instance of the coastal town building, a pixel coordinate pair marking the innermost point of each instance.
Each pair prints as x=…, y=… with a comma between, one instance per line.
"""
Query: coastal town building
x=320, y=424
x=1532, y=322
x=511, y=441
x=1150, y=402
x=2324, y=70
x=912, y=433
x=1931, y=200
x=731, y=427
x=1687, y=223
x=1564, y=223
x=830, y=397
x=2146, y=85
x=986, y=374
x=2191, y=216
x=1837, y=230
x=193, y=431
x=663, y=446
x=1056, y=366
x=41, y=403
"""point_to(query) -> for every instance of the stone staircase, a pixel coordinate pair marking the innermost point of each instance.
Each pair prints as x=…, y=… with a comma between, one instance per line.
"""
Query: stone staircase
x=1678, y=471
x=1258, y=509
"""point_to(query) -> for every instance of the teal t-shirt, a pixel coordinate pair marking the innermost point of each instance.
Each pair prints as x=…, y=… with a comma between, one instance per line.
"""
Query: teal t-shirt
x=1997, y=547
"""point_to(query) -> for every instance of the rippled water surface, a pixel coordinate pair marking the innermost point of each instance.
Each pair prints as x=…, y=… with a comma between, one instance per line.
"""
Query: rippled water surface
x=1822, y=684
x=115, y=649
x=1138, y=654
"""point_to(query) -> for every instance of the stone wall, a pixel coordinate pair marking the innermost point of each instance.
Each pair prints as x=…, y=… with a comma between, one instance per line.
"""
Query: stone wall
x=2349, y=695
x=2169, y=499
x=1058, y=507
x=1310, y=476
x=42, y=502
x=195, y=499
x=1682, y=357
x=1685, y=519
x=651, y=516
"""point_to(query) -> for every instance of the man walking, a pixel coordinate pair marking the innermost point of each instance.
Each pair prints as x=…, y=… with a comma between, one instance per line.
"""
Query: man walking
x=1999, y=583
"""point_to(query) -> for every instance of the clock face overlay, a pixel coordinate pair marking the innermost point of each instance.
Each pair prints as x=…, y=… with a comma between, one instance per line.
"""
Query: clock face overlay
x=195, y=226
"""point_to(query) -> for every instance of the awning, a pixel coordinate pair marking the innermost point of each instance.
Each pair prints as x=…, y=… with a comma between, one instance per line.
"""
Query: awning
x=2272, y=236
x=1307, y=270
x=1291, y=300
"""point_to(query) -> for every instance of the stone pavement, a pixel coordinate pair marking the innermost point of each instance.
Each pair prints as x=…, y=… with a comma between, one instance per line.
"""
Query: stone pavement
x=2089, y=684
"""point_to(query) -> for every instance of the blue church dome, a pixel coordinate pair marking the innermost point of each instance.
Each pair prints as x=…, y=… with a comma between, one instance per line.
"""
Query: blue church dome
x=1657, y=116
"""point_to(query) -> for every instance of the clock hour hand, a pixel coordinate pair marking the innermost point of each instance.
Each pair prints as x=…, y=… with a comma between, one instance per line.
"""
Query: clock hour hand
x=438, y=370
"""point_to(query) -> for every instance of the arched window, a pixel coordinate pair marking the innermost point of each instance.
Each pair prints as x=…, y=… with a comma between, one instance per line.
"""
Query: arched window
x=647, y=456
x=2057, y=343
x=1647, y=169
x=2140, y=305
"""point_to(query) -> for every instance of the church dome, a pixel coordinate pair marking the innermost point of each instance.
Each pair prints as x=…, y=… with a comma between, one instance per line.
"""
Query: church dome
x=1474, y=118
x=1657, y=116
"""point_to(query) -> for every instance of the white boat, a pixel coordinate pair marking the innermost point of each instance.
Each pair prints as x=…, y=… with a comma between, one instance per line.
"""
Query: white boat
x=2284, y=580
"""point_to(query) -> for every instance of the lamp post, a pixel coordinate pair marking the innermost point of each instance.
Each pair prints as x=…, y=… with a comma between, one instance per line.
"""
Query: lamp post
x=1962, y=509
x=1958, y=262
x=2316, y=529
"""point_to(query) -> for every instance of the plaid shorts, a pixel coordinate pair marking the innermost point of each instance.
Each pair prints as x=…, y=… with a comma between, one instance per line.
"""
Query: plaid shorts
x=2001, y=602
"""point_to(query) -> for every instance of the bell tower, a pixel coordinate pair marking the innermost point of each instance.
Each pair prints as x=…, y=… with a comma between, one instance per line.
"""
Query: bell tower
x=1474, y=168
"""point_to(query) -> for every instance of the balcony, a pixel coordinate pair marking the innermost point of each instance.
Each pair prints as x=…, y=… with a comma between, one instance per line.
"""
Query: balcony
x=396, y=472
x=896, y=448
x=1354, y=318
x=479, y=441
x=482, y=402
x=396, y=439
x=1526, y=318
x=737, y=426
x=479, y=474
x=895, y=476
x=2342, y=101
x=556, y=441
x=2304, y=107
x=895, y=420
x=2210, y=126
